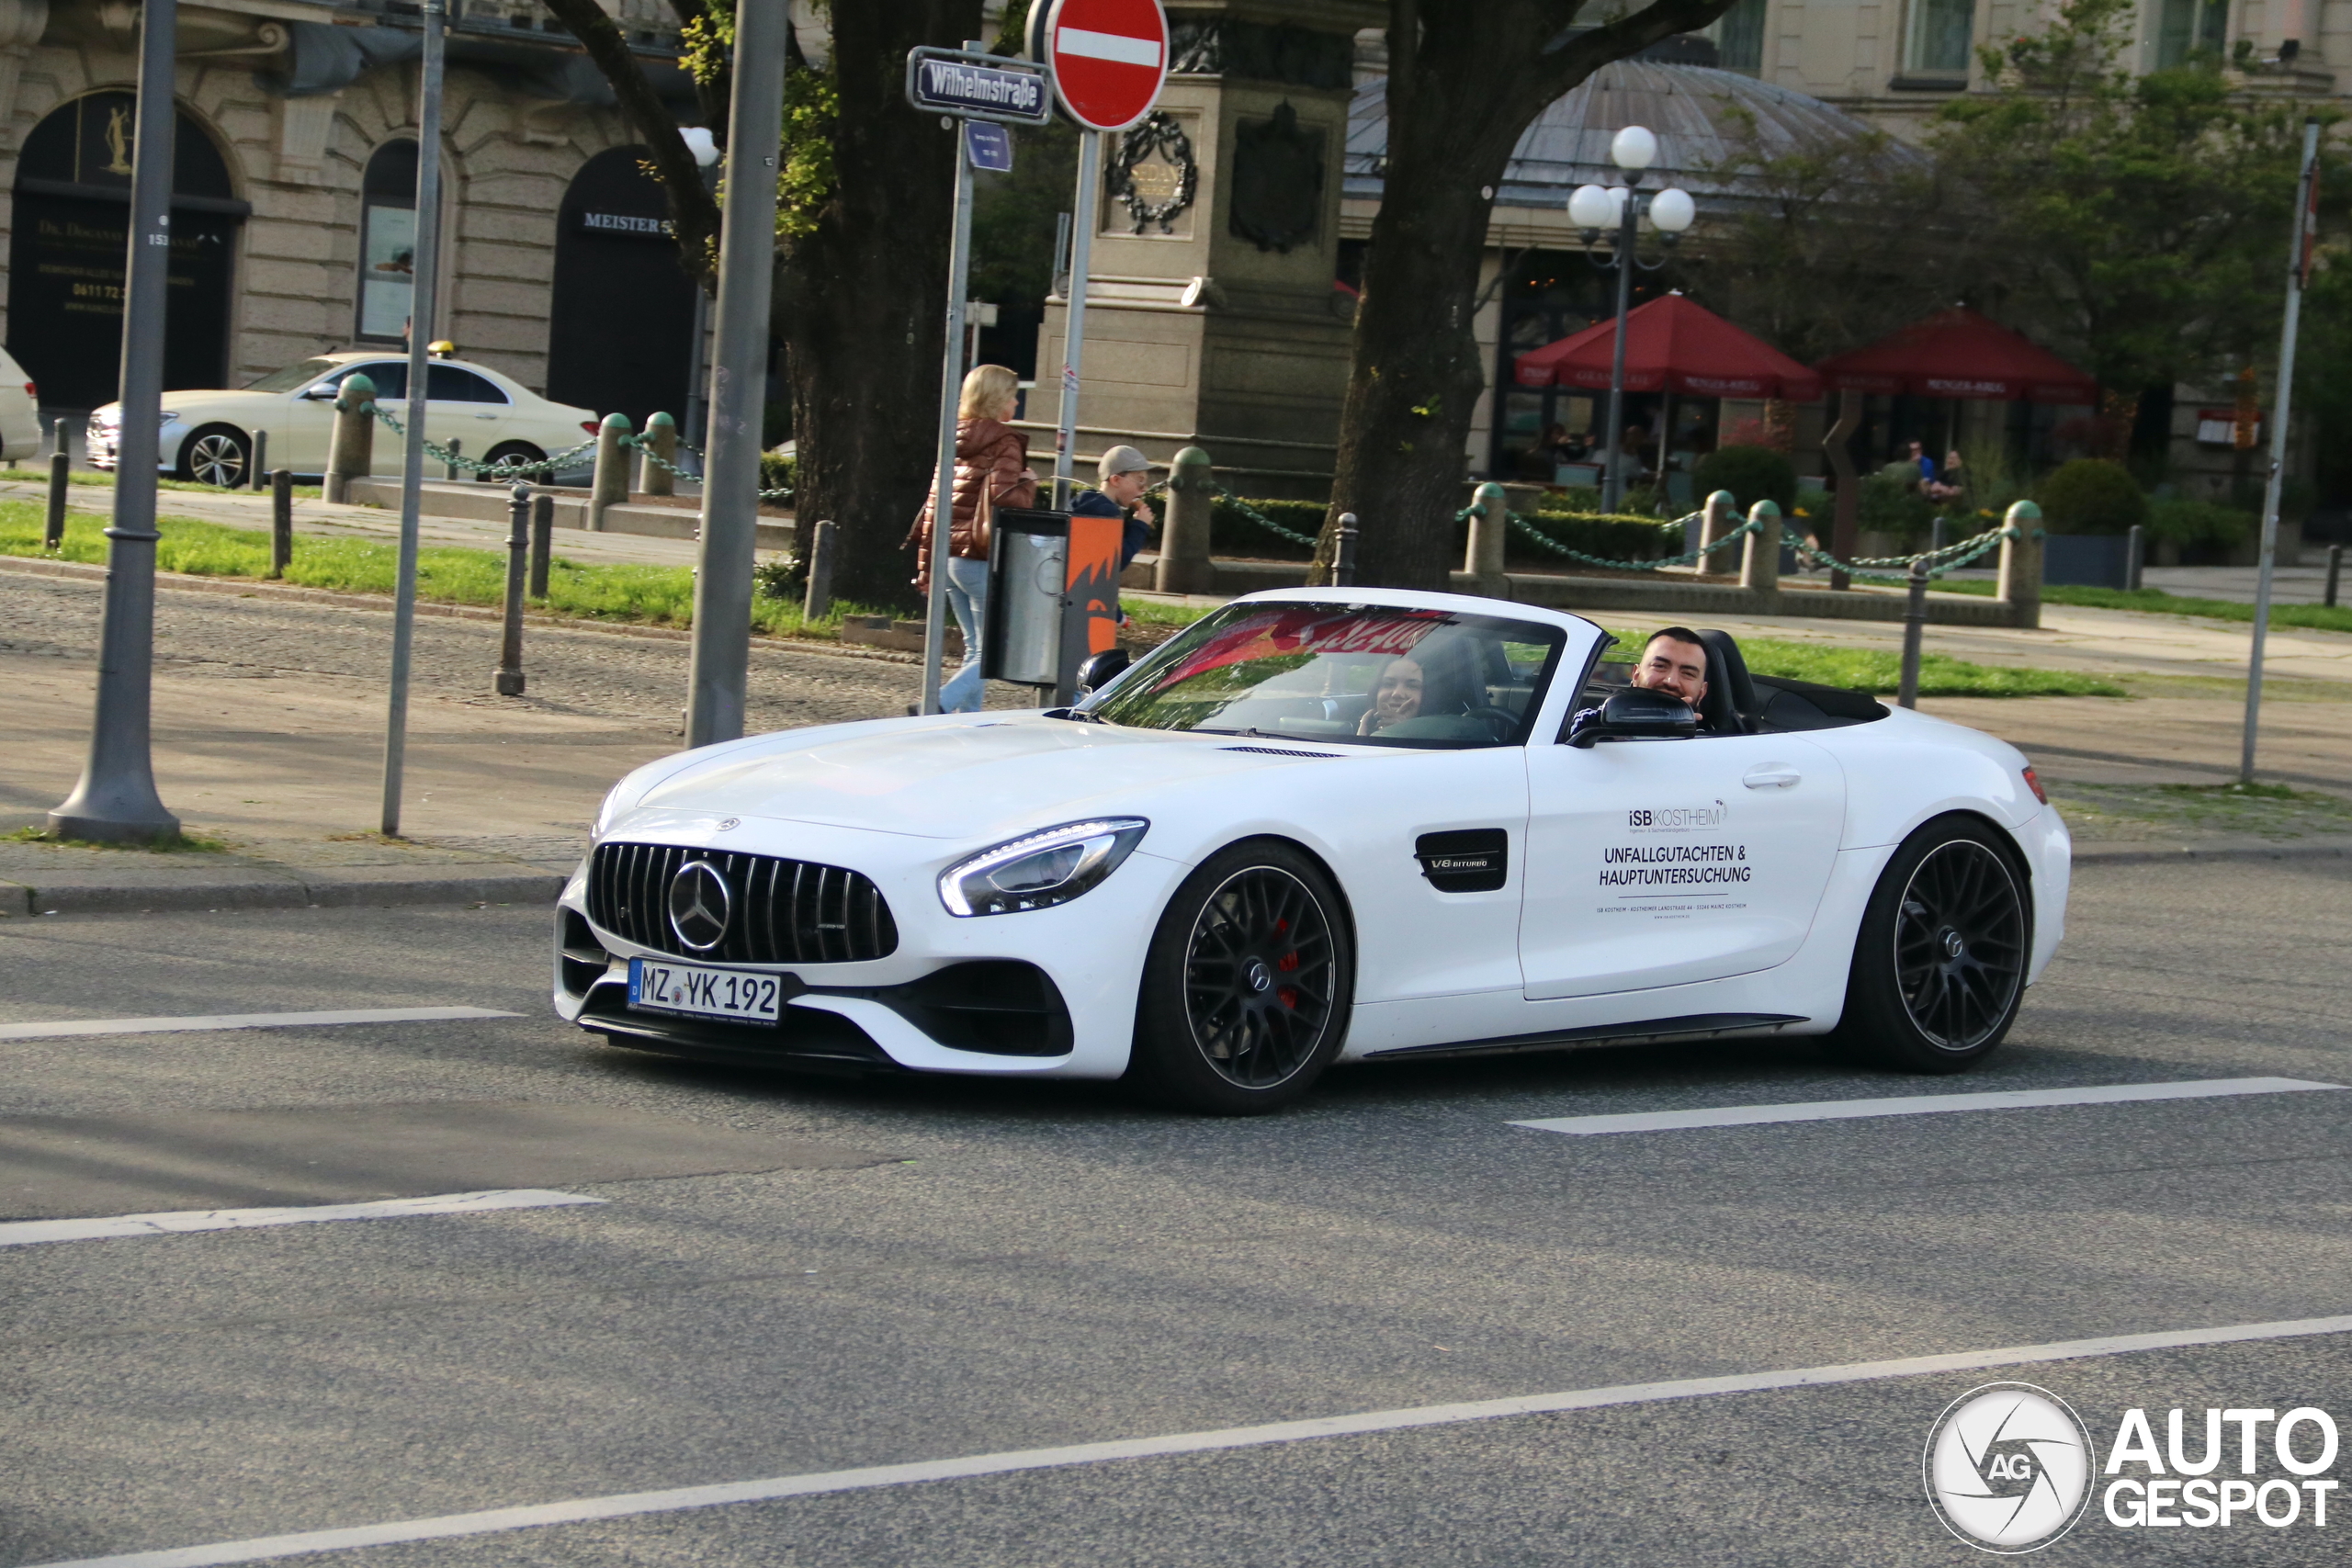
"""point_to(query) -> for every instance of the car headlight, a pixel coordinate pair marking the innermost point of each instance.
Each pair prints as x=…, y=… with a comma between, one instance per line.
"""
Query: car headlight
x=605, y=812
x=1040, y=870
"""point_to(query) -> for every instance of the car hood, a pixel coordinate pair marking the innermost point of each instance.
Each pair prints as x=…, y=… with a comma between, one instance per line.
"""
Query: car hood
x=213, y=402
x=966, y=776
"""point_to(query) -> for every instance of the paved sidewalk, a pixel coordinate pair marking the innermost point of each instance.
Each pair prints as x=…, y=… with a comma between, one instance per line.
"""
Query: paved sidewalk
x=270, y=714
x=323, y=519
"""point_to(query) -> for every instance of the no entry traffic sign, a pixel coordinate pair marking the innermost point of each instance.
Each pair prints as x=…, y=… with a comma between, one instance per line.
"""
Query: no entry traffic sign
x=1108, y=57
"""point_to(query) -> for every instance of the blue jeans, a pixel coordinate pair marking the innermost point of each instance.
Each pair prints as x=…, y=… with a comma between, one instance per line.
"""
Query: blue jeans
x=968, y=596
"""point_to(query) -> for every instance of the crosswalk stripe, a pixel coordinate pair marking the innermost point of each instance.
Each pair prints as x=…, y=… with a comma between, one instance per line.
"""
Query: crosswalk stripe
x=1916, y=1105
x=627, y=1505
x=71, y=1026
x=26, y=1233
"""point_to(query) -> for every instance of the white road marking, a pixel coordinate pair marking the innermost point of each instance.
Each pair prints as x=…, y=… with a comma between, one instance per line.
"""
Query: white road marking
x=1917, y=1105
x=627, y=1504
x=238, y=1021
x=25, y=1232
x=1107, y=45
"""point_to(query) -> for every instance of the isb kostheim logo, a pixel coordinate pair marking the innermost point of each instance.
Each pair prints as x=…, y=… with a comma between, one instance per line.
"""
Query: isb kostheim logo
x=2008, y=1467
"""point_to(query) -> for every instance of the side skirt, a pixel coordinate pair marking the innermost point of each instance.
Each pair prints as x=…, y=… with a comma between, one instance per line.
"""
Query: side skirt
x=1695, y=1026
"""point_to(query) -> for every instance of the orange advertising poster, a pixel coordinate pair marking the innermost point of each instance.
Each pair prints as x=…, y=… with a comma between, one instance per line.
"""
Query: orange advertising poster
x=1090, y=625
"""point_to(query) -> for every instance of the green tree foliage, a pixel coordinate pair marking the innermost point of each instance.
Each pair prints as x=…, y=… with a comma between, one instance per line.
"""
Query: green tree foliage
x=2093, y=495
x=2136, y=223
x=1836, y=241
x=1751, y=474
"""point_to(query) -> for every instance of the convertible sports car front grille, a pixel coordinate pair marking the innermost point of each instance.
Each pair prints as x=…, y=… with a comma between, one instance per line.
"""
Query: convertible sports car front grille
x=779, y=911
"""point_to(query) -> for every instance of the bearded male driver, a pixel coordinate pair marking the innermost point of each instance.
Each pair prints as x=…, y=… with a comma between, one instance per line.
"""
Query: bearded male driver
x=1673, y=661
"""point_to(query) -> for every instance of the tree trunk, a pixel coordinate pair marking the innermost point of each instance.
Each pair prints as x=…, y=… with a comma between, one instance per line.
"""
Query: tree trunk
x=1465, y=81
x=864, y=300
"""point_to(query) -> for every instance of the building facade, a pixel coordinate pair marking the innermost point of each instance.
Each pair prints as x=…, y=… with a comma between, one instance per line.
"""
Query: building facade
x=293, y=210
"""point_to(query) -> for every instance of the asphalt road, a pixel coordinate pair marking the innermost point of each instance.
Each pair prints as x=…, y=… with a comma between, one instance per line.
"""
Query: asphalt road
x=791, y=1276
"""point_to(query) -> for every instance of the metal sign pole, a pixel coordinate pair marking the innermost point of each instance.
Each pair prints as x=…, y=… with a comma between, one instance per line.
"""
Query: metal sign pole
x=2297, y=261
x=951, y=388
x=730, y=480
x=423, y=309
x=116, y=799
x=1613, y=476
x=1081, y=250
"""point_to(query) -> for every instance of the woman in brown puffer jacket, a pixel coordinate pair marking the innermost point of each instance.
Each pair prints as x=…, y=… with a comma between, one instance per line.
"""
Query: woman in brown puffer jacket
x=990, y=457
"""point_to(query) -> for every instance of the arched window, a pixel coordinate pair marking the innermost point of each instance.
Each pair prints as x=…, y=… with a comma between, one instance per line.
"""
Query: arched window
x=387, y=243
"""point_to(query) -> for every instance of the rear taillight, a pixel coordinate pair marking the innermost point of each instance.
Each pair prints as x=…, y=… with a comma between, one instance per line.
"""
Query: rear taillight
x=588, y=426
x=31, y=390
x=2035, y=785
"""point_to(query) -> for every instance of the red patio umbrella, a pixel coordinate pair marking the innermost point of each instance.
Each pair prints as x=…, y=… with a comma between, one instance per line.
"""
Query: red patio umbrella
x=1671, y=345
x=1959, y=354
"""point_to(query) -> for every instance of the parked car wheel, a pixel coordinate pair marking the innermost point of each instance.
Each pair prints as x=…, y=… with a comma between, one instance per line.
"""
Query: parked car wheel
x=518, y=452
x=216, y=455
x=1247, y=985
x=1941, y=959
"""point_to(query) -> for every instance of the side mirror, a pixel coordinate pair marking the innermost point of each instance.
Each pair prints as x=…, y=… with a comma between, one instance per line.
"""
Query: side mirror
x=1101, y=669
x=324, y=393
x=1636, y=713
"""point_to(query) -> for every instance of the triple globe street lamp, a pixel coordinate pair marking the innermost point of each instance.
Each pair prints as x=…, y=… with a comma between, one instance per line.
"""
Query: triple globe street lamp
x=1595, y=208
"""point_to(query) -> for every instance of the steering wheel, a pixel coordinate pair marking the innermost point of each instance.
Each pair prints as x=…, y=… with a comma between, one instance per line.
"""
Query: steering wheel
x=1501, y=722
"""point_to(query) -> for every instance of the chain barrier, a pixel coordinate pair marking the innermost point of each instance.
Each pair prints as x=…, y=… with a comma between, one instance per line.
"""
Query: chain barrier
x=509, y=469
x=1959, y=555
x=505, y=468
x=1259, y=518
x=1688, y=558
x=1940, y=562
x=659, y=461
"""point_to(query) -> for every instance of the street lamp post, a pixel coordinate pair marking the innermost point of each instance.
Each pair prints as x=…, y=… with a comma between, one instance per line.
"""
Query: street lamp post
x=1622, y=208
x=116, y=799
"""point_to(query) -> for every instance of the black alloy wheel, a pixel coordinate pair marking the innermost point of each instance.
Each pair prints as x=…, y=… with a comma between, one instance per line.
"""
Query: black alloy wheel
x=1959, y=945
x=216, y=455
x=1247, y=985
x=1940, y=961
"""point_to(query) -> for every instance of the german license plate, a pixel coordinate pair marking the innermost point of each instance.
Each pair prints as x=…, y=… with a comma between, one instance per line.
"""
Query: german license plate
x=687, y=991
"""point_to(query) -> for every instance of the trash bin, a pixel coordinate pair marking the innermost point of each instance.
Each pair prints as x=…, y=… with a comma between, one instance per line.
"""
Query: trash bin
x=1053, y=597
x=1028, y=586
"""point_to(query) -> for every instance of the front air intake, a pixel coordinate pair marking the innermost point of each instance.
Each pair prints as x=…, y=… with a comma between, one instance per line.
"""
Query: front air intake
x=779, y=911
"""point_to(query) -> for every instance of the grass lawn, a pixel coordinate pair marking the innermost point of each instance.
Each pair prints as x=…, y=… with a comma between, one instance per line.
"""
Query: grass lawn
x=2156, y=600
x=663, y=595
x=1876, y=669
x=2100, y=813
x=106, y=482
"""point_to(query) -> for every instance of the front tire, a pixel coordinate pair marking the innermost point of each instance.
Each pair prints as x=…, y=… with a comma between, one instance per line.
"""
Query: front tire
x=218, y=455
x=1940, y=963
x=1247, y=985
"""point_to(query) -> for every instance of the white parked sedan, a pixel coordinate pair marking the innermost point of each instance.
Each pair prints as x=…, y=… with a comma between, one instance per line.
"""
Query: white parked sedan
x=1168, y=883
x=19, y=412
x=209, y=436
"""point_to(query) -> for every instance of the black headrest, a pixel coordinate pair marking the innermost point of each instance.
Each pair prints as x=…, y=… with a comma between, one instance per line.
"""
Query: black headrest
x=1731, y=695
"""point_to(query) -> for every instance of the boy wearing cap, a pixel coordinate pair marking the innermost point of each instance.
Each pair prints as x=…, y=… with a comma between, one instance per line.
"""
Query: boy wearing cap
x=1126, y=475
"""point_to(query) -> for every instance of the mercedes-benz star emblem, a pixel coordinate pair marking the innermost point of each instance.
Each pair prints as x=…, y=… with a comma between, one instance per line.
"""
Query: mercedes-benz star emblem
x=699, y=905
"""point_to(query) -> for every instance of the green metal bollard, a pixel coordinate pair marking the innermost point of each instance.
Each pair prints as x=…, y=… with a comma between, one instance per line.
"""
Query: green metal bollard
x=661, y=441
x=610, y=487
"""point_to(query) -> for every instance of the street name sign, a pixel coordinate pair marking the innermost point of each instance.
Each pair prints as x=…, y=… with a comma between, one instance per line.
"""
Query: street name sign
x=977, y=86
x=1109, y=59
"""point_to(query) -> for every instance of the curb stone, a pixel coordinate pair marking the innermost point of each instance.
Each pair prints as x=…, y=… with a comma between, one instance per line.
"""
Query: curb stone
x=290, y=892
x=2152, y=854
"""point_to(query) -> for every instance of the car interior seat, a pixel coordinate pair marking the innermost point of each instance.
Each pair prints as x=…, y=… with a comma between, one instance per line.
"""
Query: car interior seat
x=1730, y=704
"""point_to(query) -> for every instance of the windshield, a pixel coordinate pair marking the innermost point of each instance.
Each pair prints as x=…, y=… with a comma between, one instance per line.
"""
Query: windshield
x=293, y=376
x=1374, y=674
